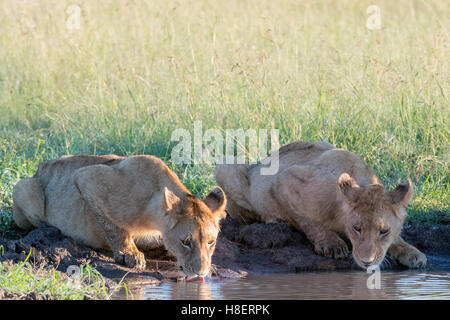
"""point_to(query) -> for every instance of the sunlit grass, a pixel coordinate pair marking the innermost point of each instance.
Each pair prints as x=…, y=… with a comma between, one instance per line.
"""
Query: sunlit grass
x=135, y=71
x=48, y=283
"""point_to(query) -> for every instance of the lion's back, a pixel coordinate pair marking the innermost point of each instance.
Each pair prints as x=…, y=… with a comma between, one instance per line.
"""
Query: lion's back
x=64, y=207
x=64, y=167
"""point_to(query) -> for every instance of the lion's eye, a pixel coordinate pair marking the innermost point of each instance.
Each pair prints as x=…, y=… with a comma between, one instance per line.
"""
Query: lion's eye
x=384, y=232
x=357, y=229
x=211, y=243
x=186, y=243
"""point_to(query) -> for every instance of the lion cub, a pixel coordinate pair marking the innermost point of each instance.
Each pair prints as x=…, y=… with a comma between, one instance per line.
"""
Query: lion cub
x=120, y=204
x=331, y=195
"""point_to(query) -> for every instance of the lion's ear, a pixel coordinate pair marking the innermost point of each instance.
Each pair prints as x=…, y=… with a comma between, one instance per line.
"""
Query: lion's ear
x=170, y=200
x=402, y=194
x=349, y=188
x=216, y=200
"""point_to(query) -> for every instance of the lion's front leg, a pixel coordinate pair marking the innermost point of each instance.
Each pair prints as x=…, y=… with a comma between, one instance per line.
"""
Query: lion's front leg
x=90, y=182
x=326, y=242
x=122, y=244
x=406, y=254
x=289, y=189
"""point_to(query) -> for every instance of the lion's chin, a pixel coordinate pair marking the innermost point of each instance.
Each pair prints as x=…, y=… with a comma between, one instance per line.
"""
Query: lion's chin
x=195, y=278
x=368, y=267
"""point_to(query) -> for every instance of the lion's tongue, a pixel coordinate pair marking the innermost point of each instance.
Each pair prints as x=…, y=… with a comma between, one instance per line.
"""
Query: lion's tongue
x=201, y=279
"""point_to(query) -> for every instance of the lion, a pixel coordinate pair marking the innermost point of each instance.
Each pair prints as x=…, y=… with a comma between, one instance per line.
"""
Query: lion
x=329, y=194
x=123, y=204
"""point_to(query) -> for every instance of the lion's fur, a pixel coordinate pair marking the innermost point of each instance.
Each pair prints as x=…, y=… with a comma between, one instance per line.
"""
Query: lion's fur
x=324, y=192
x=114, y=203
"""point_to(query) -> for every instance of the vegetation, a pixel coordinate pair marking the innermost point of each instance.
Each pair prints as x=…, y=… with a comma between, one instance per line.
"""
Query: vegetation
x=23, y=280
x=135, y=71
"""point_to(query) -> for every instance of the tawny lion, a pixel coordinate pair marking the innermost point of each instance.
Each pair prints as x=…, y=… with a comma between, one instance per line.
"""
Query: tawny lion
x=329, y=194
x=122, y=204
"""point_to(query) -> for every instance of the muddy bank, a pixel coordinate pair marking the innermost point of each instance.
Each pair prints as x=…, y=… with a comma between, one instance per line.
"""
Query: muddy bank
x=51, y=248
x=256, y=248
x=277, y=247
x=6, y=295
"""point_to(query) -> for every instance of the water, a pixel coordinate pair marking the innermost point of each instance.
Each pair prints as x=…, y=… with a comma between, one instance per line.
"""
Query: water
x=315, y=285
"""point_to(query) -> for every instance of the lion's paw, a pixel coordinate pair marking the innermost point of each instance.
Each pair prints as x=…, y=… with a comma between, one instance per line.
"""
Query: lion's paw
x=332, y=247
x=413, y=259
x=134, y=260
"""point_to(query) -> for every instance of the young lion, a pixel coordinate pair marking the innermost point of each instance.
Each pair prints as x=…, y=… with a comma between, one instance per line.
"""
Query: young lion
x=121, y=204
x=330, y=194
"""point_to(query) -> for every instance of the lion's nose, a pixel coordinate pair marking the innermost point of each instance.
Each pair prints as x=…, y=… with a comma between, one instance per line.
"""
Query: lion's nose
x=203, y=271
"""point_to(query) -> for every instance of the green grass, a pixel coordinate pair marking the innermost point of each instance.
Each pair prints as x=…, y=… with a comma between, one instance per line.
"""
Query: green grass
x=48, y=283
x=136, y=71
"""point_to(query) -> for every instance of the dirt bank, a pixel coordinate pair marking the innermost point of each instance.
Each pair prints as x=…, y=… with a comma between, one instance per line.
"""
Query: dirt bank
x=240, y=250
x=277, y=247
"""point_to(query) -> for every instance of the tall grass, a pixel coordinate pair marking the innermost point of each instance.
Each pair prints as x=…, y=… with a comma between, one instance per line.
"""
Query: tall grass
x=137, y=70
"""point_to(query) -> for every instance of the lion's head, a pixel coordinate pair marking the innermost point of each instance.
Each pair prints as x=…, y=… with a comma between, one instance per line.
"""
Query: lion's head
x=374, y=217
x=193, y=226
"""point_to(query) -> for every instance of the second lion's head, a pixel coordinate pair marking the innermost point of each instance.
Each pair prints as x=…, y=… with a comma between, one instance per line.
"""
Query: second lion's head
x=374, y=217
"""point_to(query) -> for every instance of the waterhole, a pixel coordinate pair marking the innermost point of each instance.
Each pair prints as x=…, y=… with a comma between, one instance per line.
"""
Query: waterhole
x=311, y=285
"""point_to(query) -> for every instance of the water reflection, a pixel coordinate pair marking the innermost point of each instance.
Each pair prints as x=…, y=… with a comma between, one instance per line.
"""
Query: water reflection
x=336, y=285
x=184, y=291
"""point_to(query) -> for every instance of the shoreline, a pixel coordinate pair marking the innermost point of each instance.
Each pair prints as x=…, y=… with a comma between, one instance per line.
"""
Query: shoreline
x=241, y=250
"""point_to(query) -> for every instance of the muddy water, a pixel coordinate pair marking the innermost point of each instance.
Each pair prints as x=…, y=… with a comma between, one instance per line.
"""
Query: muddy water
x=335, y=285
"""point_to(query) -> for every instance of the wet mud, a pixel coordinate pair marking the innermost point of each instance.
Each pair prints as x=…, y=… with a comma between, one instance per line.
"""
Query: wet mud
x=241, y=250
